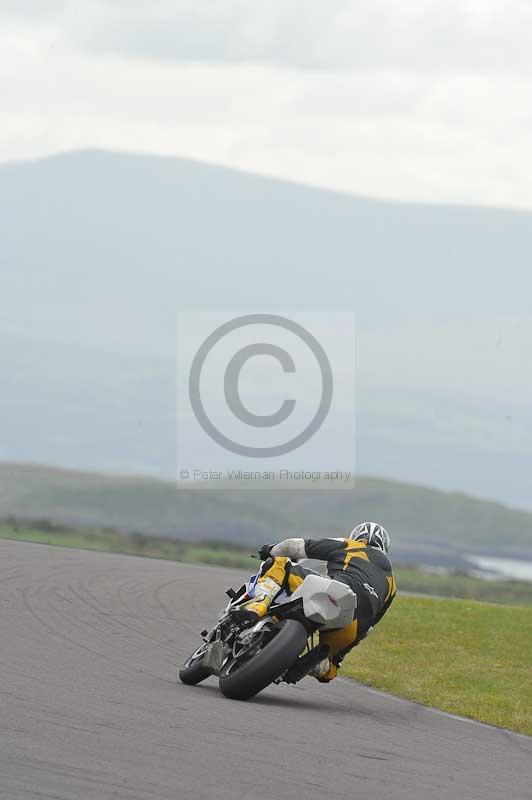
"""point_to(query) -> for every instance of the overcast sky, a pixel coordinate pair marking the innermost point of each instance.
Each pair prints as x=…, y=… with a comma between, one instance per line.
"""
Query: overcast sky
x=420, y=100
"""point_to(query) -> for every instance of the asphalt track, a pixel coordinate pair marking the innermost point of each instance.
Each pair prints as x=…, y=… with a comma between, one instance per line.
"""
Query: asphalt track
x=90, y=707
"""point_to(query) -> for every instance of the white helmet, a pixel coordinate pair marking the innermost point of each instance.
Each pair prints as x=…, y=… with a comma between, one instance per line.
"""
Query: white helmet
x=375, y=534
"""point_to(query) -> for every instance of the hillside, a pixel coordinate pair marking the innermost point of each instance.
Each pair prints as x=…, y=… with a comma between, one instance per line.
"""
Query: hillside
x=100, y=250
x=428, y=526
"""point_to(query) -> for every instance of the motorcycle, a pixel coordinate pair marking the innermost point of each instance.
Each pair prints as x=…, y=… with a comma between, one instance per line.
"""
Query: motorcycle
x=280, y=647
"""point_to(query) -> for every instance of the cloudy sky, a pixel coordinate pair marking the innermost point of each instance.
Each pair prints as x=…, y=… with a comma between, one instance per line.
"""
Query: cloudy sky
x=425, y=100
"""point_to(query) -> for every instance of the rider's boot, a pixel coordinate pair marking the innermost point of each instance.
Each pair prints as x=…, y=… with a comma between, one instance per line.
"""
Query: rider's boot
x=305, y=665
x=257, y=608
x=325, y=671
x=339, y=641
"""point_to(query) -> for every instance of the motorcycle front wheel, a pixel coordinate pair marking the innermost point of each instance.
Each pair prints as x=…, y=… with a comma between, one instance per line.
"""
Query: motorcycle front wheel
x=193, y=671
x=241, y=681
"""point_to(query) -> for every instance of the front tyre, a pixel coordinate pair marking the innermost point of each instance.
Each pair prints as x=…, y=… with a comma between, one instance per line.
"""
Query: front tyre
x=193, y=671
x=240, y=682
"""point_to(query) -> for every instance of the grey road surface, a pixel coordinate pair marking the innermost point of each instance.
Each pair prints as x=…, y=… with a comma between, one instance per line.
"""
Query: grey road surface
x=90, y=707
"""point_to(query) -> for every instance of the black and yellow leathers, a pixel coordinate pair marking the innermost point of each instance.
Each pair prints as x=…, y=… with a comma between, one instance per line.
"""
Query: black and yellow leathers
x=366, y=570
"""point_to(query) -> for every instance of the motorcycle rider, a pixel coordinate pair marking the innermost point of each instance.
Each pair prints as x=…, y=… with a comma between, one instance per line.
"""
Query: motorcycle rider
x=360, y=561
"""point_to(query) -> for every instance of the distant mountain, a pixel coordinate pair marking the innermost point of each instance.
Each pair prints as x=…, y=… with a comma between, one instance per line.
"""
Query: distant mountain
x=427, y=526
x=99, y=250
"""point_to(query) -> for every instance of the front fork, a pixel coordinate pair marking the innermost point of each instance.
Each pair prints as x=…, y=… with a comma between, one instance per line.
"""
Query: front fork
x=217, y=652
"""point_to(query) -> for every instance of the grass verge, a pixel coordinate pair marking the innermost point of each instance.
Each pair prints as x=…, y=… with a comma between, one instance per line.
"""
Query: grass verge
x=222, y=554
x=467, y=587
x=464, y=657
x=226, y=554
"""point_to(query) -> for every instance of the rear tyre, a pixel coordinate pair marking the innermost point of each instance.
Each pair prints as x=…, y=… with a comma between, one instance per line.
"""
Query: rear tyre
x=245, y=681
x=193, y=671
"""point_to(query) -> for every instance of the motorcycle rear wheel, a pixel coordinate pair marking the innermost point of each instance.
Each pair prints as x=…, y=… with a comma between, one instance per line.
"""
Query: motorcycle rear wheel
x=245, y=681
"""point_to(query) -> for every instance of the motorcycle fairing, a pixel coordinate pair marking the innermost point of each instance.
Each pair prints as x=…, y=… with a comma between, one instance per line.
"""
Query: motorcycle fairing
x=330, y=603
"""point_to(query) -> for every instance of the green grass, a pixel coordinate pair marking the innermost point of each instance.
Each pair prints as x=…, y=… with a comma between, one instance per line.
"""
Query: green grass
x=464, y=657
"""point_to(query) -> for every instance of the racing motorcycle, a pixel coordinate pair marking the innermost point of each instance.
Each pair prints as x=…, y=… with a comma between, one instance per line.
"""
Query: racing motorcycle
x=280, y=647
